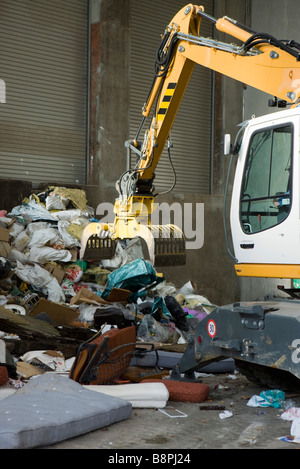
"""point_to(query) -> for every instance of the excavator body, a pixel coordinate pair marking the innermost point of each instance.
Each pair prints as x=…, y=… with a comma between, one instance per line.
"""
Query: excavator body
x=265, y=225
x=262, y=336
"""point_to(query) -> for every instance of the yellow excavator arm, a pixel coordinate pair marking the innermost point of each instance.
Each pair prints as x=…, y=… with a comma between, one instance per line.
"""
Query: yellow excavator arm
x=260, y=61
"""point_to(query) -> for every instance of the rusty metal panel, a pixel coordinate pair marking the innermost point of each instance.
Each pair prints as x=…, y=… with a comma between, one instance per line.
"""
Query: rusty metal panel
x=43, y=57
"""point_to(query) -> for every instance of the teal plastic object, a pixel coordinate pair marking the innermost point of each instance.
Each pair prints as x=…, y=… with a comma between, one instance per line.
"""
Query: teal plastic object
x=160, y=306
x=273, y=398
x=137, y=277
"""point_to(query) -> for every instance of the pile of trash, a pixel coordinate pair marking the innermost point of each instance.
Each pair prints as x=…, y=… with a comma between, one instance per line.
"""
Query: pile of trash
x=70, y=327
x=84, y=320
x=42, y=277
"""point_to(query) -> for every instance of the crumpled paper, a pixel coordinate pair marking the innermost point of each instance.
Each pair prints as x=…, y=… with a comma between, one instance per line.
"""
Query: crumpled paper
x=32, y=210
x=225, y=415
x=21, y=241
x=45, y=254
x=47, y=359
x=69, y=240
x=43, y=237
x=292, y=414
x=40, y=279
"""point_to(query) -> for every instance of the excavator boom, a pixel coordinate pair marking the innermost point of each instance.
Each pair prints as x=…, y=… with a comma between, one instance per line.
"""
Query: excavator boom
x=260, y=61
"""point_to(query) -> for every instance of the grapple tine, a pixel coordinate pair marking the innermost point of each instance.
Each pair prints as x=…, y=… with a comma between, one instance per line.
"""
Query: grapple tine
x=95, y=245
x=97, y=248
x=169, y=245
x=165, y=243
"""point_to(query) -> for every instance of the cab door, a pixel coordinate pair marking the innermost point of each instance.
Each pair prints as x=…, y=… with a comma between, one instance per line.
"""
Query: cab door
x=265, y=205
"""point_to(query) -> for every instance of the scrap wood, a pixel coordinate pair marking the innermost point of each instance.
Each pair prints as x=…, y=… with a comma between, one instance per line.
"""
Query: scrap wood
x=76, y=332
x=87, y=296
x=179, y=348
x=18, y=324
x=36, y=334
x=138, y=373
x=26, y=370
x=3, y=375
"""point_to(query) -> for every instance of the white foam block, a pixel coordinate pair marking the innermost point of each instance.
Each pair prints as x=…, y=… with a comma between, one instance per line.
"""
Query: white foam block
x=138, y=394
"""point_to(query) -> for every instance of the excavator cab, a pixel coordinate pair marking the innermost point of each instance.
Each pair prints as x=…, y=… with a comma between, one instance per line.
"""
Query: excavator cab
x=265, y=198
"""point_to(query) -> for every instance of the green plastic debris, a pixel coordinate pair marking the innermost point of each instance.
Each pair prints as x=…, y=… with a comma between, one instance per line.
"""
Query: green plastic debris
x=137, y=276
x=273, y=398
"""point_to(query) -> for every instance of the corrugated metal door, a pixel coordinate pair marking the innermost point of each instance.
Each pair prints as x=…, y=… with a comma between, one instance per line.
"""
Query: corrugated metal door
x=191, y=133
x=43, y=61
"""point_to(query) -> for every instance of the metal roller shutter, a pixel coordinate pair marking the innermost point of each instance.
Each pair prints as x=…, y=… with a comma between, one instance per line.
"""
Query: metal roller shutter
x=191, y=133
x=43, y=61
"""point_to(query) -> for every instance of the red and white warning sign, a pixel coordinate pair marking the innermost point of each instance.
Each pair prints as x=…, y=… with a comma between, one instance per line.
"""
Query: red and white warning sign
x=211, y=328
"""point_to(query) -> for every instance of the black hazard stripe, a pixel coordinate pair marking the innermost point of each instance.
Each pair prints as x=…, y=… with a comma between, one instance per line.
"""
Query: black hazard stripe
x=166, y=101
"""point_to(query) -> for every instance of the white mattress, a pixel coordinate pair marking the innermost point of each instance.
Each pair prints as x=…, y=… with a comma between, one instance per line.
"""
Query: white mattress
x=52, y=408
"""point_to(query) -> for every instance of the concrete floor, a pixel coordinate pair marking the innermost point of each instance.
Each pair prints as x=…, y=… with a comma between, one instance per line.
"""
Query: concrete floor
x=150, y=429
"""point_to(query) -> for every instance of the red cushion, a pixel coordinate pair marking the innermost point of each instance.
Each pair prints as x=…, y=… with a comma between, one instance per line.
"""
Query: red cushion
x=3, y=375
x=182, y=391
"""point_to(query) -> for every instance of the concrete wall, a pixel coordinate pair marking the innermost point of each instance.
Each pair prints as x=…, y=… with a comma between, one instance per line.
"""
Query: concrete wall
x=209, y=268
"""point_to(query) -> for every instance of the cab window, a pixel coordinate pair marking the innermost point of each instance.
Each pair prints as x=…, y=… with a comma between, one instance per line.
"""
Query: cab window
x=266, y=196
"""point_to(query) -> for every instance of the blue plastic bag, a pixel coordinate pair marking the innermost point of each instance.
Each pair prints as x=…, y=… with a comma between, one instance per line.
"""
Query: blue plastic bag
x=273, y=398
x=136, y=276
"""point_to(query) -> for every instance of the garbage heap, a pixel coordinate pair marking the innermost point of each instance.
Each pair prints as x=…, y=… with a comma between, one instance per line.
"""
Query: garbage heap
x=51, y=300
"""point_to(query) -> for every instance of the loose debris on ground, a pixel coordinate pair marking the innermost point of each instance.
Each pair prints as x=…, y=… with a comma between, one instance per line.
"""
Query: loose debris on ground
x=59, y=314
